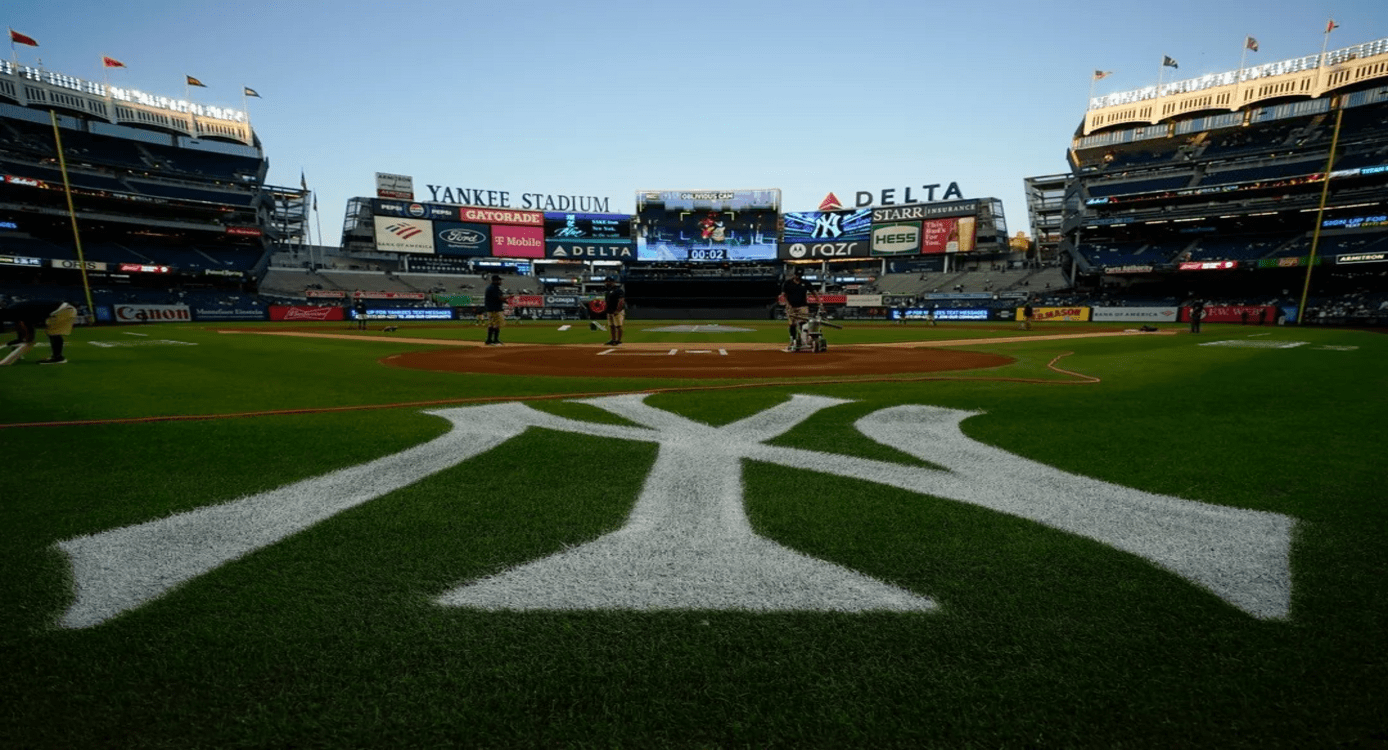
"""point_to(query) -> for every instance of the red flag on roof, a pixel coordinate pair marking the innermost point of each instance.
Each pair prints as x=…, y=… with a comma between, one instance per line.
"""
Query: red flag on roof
x=1329, y=27
x=111, y=62
x=18, y=38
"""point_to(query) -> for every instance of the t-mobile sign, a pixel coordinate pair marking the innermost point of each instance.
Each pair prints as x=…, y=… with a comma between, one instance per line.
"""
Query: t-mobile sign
x=517, y=241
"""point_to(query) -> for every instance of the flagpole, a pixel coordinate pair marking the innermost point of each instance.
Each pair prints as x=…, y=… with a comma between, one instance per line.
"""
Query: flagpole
x=1238, y=80
x=318, y=219
x=1325, y=43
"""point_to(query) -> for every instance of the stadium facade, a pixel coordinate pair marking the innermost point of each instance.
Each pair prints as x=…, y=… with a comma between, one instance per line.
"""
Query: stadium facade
x=141, y=193
x=704, y=253
x=1232, y=184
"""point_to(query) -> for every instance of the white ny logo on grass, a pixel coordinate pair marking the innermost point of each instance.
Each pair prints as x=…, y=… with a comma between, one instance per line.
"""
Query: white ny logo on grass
x=687, y=543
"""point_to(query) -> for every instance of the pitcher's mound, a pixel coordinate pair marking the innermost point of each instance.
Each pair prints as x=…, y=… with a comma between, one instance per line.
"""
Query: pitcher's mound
x=733, y=361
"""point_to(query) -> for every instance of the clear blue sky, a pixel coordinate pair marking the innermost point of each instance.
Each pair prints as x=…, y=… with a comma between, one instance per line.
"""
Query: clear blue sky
x=607, y=98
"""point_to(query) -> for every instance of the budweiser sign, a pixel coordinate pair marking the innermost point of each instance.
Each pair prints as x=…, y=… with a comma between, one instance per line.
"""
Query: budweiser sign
x=302, y=313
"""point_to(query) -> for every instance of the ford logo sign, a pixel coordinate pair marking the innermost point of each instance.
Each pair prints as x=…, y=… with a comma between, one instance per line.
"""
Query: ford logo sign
x=462, y=237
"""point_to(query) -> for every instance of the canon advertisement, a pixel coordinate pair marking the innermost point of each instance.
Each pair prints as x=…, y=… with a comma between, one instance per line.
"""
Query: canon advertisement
x=152, y=313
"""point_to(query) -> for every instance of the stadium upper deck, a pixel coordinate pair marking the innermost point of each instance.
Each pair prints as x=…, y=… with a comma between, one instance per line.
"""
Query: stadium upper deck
x=164, y=190
x=1209, y=177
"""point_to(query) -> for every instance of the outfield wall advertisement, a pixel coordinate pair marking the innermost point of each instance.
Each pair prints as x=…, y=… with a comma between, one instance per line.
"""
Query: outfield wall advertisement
x=305, y=312
x=253, y=313
x=1134, y=314
x=152, y=313
x=403, y=313
x=1251, y=314
x=1065, y=314
x=949, y=313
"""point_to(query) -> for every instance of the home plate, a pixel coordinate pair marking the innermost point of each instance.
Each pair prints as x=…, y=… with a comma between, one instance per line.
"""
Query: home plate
x=670, y=353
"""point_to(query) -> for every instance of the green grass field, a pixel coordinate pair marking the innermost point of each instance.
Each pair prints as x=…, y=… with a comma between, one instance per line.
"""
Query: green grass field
x=332, y=636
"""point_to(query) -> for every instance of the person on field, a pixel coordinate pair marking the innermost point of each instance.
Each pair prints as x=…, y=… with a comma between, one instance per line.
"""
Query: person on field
x=1197, y=313
x=360, y=309
x=494, y=302
x=1028, y=312
x=615, y=303
x=57, y=318
x=797, y=295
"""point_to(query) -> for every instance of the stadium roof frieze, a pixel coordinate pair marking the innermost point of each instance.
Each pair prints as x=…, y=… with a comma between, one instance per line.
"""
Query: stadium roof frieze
x=1310, y=76
x=38, y=88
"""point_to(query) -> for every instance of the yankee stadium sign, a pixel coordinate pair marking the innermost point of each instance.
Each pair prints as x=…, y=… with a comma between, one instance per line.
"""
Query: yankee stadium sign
x=531, y=201
x=688, y=543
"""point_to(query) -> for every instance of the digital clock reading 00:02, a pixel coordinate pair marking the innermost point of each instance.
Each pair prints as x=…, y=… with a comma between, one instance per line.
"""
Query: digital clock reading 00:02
x=708, y=253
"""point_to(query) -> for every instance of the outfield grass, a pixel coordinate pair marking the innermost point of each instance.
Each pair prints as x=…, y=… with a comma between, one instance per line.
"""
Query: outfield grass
x=331, y=638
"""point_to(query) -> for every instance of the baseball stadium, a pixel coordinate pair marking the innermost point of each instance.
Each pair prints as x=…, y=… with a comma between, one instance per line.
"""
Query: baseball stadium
x=981, y=490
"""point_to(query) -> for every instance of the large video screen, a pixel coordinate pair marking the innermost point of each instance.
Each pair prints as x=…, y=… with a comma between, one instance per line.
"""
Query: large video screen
x=711, y=226
x=828, y=225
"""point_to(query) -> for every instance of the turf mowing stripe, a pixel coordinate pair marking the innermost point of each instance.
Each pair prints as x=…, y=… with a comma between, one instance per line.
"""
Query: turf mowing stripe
x=1083, y=380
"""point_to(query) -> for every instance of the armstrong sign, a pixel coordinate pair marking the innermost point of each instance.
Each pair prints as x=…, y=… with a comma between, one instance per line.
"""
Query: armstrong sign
x=688, y=544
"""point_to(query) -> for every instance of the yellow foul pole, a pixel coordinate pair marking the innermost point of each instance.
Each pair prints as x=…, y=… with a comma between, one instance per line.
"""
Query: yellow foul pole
x=1320, y=213
x=72, y=213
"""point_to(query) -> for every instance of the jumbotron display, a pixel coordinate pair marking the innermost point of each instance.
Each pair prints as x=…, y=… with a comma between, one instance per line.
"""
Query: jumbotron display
x=712, y=226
